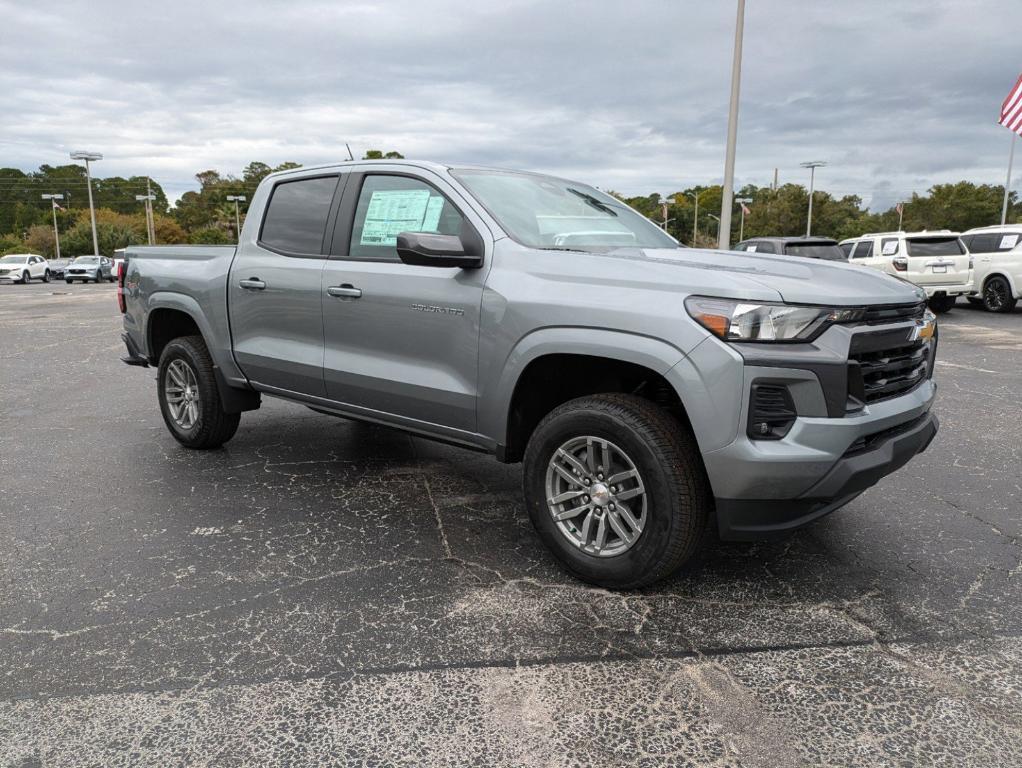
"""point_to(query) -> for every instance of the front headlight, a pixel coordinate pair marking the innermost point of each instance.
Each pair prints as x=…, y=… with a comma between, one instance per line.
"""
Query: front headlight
x=734, y=320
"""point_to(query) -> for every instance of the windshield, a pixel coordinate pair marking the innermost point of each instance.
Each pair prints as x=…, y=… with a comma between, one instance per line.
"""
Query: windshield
x=549, y=213
x=934, y=246
x=86, y=260
x=825, y=251
x=13, y=259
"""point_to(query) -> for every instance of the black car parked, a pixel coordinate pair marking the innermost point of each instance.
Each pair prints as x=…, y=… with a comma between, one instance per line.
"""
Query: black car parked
x=807, y=247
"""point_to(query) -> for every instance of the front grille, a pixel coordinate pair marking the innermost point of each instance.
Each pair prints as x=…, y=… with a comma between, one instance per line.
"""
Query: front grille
x=77, y=271
x=894, y=313
x=880, y=374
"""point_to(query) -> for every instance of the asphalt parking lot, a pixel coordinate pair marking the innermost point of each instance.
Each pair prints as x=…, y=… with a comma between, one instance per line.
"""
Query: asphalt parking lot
x=322, y=591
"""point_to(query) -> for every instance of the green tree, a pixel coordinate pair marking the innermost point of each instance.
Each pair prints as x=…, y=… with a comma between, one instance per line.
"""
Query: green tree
x=376, y=154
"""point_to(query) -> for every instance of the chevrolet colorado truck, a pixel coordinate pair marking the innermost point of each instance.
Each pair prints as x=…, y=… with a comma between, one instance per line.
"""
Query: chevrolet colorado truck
x=652, y=392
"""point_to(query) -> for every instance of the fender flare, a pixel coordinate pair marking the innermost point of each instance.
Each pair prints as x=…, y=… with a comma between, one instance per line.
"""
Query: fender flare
x=234, y=399
x=655, y=354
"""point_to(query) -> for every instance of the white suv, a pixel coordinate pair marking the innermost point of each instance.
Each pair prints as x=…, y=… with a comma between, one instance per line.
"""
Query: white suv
x=998, y=254
x=936, y=260
x=22, y=267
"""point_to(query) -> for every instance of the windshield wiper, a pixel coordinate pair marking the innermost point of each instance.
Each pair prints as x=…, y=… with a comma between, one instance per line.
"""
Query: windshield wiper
x=563, y=248
x=595, y=202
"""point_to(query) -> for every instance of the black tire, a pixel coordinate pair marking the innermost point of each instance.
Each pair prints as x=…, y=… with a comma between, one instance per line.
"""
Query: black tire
x=46, y=276
x=942, y=304
x=99, y=277
x=213, y=427
x=997, y=296
x=678, y=499
x=25, y=278
x=68, y=280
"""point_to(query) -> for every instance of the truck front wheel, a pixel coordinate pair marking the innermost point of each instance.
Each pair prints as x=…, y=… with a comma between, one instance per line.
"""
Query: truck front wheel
x=616, y=489
x=189, y=398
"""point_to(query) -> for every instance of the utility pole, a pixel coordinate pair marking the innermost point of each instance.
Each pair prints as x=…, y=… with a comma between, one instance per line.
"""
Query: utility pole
x=241, y=198
x=812, y=165
x=695, y=217
x=901, y=213
x=150, y=218
x=87, y=157
x=56, y=232
x=1007, y=182
x=665, y=202
x=724, y=230
x=147, y=199
x=741, y=227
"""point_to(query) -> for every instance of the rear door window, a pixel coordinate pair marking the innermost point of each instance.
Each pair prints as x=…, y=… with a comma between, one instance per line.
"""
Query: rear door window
x=934, y=246
x=765, y=247
x=296, y=216
x=846, y=248
x=863, y=249
x=985, y=243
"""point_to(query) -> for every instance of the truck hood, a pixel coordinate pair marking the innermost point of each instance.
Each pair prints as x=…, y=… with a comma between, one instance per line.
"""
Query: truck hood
x=793, y=279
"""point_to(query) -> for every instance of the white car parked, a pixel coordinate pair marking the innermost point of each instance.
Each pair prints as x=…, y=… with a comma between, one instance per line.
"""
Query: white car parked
x=936, y=260
x=998, y=254
x=22, y=267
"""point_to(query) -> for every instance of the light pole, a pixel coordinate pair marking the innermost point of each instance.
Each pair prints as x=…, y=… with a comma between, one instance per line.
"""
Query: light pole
x=695, y=217
x=741, y=227
x=148, y=199
x=53, y=205
x=812, y=165
x=237, y=213
x=87, y=157
x=716, y=219
x=724, y=230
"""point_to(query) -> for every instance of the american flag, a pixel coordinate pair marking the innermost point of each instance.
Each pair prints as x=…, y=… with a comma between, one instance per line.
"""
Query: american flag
x=745, y=209
x=1011, y=109
x=898, y=208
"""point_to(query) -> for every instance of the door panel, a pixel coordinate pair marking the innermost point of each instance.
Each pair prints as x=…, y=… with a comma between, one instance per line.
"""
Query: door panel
x=408, y=344
x=278, y=330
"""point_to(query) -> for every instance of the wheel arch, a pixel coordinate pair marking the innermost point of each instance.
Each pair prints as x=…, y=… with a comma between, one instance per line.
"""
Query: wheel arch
x=553, y=365
x=1015, y=290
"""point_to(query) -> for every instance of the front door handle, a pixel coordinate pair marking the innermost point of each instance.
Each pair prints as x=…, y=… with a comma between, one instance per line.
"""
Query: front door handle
x=252, y=283
x=345, y=291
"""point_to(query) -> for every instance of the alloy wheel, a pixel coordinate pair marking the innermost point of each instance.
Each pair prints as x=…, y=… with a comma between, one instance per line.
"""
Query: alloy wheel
x=181, y=392
x=596, y=496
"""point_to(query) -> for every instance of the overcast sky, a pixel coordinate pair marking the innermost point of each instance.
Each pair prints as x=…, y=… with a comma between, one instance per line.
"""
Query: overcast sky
x=630, y=95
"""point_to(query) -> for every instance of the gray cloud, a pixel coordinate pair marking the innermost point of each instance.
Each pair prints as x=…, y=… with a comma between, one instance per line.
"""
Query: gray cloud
x=632, y=96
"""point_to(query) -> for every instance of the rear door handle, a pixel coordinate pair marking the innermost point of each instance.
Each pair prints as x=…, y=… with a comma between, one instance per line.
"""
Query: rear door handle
x=252, y=283
x=346, y=291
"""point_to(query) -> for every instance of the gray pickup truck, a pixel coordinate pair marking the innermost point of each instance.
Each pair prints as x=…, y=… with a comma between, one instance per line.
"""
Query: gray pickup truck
x=652, y=392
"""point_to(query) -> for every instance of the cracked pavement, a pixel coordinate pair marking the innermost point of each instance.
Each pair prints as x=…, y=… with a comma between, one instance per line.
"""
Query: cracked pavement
x=326, y=592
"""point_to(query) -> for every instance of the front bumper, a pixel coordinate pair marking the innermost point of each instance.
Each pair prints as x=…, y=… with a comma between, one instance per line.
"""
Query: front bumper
x=853, y=473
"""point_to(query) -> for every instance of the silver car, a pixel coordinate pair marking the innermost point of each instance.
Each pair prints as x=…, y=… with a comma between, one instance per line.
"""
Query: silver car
x=89, y=269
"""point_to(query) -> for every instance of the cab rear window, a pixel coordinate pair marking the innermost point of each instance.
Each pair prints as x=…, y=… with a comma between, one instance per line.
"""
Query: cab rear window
x=934, y=246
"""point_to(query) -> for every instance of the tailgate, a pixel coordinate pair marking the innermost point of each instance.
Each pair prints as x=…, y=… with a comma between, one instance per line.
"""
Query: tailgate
x=937, y=260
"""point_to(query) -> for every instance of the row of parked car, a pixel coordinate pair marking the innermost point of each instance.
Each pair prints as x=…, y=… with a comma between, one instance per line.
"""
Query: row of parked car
x=24, y=267
x=984, y=264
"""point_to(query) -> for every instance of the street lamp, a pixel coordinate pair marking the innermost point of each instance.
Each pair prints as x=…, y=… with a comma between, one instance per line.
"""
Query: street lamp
x=741, y=227
x=695, y=216
x=716, y=219
x=149, y=228
x=812, y=165
x=237, y=213
x=89, y=157
x=56, y=233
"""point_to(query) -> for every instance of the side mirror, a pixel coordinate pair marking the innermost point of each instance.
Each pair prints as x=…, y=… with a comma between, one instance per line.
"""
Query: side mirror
x=425, y=249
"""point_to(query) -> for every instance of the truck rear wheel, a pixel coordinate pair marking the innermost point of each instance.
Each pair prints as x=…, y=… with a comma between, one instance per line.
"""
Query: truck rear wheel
x=616, y=489
x=189, y=397
x=942, y=304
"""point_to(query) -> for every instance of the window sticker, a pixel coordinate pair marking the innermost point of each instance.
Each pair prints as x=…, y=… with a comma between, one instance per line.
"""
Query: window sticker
x=890, y=247
x=1007, y=242
x=750, y=248
x=393, y=211
x=431, y=219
